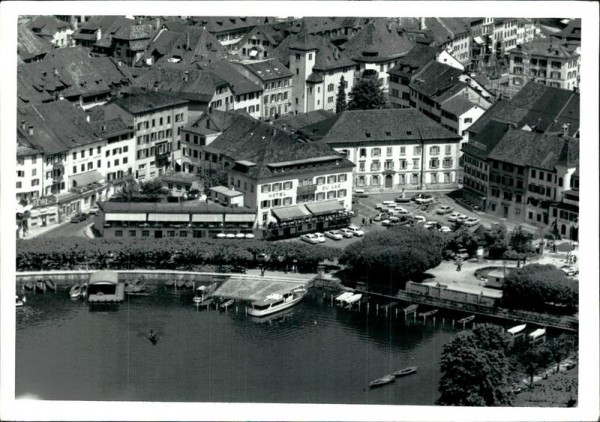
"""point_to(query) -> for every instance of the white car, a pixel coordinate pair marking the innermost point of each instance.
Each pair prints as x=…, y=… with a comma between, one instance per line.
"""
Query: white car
x=419, y=218
x=334, y=234
x=320, y=237
x=454, y=216
x=249, y=236
x=346, y=232
x=356, y=230
x=444, y=209
x=445, y=229
x=424, y=199
x=400, y=210
x=310, y=238
x=94, y=210
x=432, y=224
x=469, y=222
x=381, y=207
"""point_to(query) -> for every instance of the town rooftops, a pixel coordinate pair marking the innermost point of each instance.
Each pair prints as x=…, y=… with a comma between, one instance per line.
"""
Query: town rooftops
x=377, y=127
x=193, y=207
x=55, y=127
x=297, y=121
x=239, y=83
x=483, y=143
x=546, y=48
x=147, y=102
x=189, y=46
x=29, y=45
x=180, y=177
x=47, y=25
x=458, y=105
x=215, y=121
x=268, y=70
x=435, y=79
x=525, y=148
x=414, y=60
x=378, y=41
x=539, y=107
x=444, y=30
x=218, y=24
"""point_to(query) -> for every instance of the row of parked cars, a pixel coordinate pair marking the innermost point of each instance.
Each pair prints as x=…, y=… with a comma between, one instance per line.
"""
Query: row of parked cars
x=82, y=216
x=349, y=232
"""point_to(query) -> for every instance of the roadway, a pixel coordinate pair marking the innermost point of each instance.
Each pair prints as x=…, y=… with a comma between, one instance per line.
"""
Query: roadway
x=69, y=229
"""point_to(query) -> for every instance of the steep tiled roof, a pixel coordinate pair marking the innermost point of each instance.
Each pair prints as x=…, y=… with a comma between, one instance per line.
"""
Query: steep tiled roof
x=57, y=127
x=545, y=47
x=304, y=41
x=443, y=30
x=267, y=70
x=458, y=105
x=525, y=148
x=414, y=60
x=217, y=24
x=377, y=126
x=135, y=32
x=47, y=25
x=141, y=103
x=484, y=142
x=200, y=85
x=300, y=120
x=435, y=78
x=194, y=45
x=218, y=120
x=378, y=41
x=316, y=24
x=239, y=83
x=538, y=106
x=30, y=45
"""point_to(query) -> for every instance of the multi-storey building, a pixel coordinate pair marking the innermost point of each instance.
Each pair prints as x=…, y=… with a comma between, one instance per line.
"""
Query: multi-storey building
x=130, y=41
x=276, y=82
x=157, y=120
x=53, y=30
x=545, y=62
x=229, y=30
x=393, y=149
x=30, y=171
x=259, y=42
x=504, y=35
x=450, y=34
x=405, y=70
x=564, y=214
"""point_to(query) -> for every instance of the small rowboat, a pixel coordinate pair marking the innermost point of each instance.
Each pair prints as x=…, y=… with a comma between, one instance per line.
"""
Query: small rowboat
x=467, y=319
x=28, y=285
x=170, y=283
x=180, y=283
x=20, y=302
x=382, y=381
x=406, y=371
x=189, y=284
x=40, y=285
x=197, y=299
x=226, y=304
x=50, y=284
x=75, y=291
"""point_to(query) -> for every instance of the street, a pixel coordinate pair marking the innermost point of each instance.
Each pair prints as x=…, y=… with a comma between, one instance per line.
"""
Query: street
x=69, y=229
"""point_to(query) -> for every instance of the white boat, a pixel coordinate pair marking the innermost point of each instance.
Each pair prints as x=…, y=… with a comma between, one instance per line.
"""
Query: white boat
x=344, y=296
x=516, y=330
x=276, y=302
x=75, y=291
x=353, y=299
x=20, y=302
x=540, y=332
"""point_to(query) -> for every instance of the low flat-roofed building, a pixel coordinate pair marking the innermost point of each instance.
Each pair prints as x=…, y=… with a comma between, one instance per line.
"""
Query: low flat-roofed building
x=191, y=219
x=226, y=197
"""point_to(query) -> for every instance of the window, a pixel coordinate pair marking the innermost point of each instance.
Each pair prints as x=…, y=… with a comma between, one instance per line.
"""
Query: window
x=434, y=178
x=75, y=155
x=414, y=179
x=342, y=178
x=389, y=151
x=417, y=150
x=183, y=233
x=448, y=149
x=276, y=187
x=435, y=150
x=361, y=165
x=320, y=180
x=402, y=150
x=375, y=181
x=416, y=163
x=434, y=163
x=331, y=194
x=132, y=233
x=118, y=233
x=330, y=87
x=320, y=196
x=376, y=152
x=265, y=188
x=341, y=193
x=375, y=166
x=447, y=162
x=287, y=201
x=548, y=177
x=331, y=179
x=265, y=204
x=286, y=185
x=363, y=152
x=170, y=233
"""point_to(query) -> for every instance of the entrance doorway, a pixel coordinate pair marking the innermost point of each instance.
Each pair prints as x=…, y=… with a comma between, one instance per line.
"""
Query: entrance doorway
x=505, y=208
x=158, y=234
x=389, y=181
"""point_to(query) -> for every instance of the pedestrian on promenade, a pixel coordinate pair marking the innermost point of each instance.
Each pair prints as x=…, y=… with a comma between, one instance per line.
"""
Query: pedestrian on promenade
x=364, y=221
x=370, y=221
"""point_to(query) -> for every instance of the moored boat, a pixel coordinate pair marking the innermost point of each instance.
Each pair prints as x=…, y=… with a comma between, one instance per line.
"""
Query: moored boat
x=170, y=283
x=189, y=284
x=226, y=304
x=276, y=302
x=75, y=291
x=382, y=381
x=40, y=285
x=28, y=285
x=20, y=302
x=406, y=371
x=180, y=283
x=466, y=319
x=50, y=284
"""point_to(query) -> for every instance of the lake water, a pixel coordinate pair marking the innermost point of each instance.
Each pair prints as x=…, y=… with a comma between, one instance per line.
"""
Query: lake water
x=312, y=353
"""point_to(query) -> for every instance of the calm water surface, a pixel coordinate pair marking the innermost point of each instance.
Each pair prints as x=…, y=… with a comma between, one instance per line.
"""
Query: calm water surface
x=311, y=353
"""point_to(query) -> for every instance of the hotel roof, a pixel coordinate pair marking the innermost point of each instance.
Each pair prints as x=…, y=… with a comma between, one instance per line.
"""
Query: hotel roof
x=377, y=41
x=146, y=102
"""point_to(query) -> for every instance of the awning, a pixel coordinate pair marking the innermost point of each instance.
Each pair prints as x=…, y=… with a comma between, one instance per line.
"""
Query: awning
x=85, y=179
x=478, y=40
x=291, y=213
x=240, y=218
x=179, y=218
x=326, y=207
x=253, y=53
x=125, y=217
x=207, y=218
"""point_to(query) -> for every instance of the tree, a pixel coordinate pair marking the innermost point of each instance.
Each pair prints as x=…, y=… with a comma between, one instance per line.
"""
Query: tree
x=394, y=256
x=560, y=347
x=474, y=369
x=340, y=102
x=535, y=358
x=463, y=238
x=496, y=239
x=366, y=94
x=213, y=177
x=540, y=288
x=520, y=240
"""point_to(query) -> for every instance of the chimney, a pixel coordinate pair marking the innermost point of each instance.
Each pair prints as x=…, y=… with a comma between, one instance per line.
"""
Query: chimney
x=186, y=76
x=157, y=24
x=565, y=130
x=422, y=26
x=23, y=125
x=98, y=34
x=55, y=72
x=87, y=118
x=31, y=130
x=119, y=62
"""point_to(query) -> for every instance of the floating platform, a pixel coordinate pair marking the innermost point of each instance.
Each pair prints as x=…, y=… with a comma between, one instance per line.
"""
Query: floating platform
x=104, y=288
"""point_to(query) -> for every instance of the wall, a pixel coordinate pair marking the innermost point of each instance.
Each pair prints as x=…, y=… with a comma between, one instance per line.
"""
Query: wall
x=444, y=293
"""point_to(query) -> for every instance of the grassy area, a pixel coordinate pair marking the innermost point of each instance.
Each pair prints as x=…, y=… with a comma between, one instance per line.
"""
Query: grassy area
x=556, y=391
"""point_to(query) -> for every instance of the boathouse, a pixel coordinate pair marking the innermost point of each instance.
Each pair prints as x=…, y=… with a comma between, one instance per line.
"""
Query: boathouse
x=104, y=288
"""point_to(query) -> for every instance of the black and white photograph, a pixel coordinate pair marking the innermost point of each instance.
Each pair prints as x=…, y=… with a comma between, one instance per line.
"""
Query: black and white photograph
x=300, y=211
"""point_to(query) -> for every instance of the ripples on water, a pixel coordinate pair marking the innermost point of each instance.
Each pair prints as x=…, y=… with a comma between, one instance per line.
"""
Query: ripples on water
x=313, y=352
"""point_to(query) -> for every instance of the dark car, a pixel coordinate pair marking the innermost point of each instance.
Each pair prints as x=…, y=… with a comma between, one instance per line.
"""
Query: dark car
x=79, y=217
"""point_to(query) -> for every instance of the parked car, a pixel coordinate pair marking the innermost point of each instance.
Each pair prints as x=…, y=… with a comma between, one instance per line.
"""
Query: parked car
x=381, y=216
x=469, y=222
x=356, y=230
x=94, y=210
x=445, y=229
x=360, y=193
x=400, y=210
x=334, y=234
x=402, y=200
x=320, y=237
x=444, y=209
x=452, y=217
x=79, y=217
x=346, y=232
x=569, y=270
x=423, y=198
x=419, y=218
x=432, y=224
x=385, y=222
x=381, y=207
x=310, y=238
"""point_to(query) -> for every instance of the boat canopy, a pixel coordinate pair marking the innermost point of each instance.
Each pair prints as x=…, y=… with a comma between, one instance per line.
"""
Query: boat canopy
x=517, y=329
x=344, y=296
x=354, y=298
x=104, y=277
x=538, y=333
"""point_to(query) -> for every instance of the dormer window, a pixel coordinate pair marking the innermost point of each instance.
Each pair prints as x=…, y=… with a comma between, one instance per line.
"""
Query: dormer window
x=368, y=134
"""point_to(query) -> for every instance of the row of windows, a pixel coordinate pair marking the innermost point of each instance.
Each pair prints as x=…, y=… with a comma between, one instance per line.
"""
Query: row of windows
x=281, y=96
x=278, y=84
x=198, y=140
x=156, y=136
x=146, y=124
x=276, y=187
x=319, y=196
x=540, y=175
x=90, y=152
x=150, y=152
x=115, y=151
x=34, y=182
x=402, y=179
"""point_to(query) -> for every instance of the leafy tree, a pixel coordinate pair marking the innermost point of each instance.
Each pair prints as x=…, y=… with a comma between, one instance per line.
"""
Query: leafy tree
x=475, y=368
x=520, y=240
x=535, y=358
x=540, y=288
x=153, y=188
x=463, y=238
x=395, y=256
x=560, y=347
x=340, y=102
x=213, y=177
x=496, y=239
x=366, y=94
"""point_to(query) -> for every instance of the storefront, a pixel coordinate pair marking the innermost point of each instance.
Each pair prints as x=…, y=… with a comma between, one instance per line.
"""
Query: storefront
x=298, y=219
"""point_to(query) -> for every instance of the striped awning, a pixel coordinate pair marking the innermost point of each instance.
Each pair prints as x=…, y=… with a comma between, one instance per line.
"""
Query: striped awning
x=125, y=217
x=240, y=218
x=291, y=213
x=179, y=218
x=325, y=207
x=207, y=218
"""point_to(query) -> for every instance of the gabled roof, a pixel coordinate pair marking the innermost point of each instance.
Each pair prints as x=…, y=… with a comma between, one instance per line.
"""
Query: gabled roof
x=300, y=120
x=270, y=69
x=378, y=41
x=543, y=108
x=443, y=30
x=135, y=32
x=200, y=85
x=214, y=121
x=47, y=25
x=193, y=45
x=143, y=103
x=217, y=24
x=436, y=78
x=239, y=83
x=545, y=47
x=414, y=60
x=525, y=148
x=377, y=126
x=316, y=25
x=29, y=45
x=57, y=127
x=484, y=142
x=458, y=105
